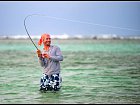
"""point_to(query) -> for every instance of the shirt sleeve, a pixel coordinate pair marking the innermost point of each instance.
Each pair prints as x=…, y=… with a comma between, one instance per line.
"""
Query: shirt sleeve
x=41, y=61
x=58, y=55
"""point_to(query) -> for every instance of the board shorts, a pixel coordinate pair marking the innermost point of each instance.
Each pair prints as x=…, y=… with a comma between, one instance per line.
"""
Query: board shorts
x=52, y=82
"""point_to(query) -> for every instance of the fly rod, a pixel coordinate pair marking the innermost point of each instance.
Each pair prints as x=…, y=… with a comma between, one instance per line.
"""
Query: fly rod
x=28, y=32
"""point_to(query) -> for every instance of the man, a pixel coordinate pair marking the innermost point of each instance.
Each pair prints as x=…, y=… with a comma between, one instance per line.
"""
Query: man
x=50, y=59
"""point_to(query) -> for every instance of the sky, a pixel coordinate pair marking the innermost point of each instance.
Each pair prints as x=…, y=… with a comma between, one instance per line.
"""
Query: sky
x=70, y=17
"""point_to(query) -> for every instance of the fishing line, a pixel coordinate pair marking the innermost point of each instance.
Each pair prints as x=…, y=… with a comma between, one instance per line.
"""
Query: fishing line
x=92, y=23
x=72, y=21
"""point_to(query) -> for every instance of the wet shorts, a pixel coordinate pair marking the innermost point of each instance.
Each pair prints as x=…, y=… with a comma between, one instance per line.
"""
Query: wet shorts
x=52, y=82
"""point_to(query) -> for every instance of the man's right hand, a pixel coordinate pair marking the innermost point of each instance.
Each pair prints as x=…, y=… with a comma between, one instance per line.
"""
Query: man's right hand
x=39, y=53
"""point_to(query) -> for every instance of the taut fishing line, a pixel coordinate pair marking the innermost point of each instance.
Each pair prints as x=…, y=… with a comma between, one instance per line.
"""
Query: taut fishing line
x=71, y=21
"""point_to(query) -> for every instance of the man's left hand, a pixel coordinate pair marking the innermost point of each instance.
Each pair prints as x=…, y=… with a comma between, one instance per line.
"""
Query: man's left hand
x=46, y=56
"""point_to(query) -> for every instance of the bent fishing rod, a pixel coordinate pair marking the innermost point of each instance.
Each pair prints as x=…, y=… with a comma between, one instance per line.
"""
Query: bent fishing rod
x=26, y=27
x=28, y=32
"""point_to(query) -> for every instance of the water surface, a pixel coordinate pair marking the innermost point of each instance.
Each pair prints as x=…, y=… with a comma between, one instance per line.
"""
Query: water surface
x=93, y=71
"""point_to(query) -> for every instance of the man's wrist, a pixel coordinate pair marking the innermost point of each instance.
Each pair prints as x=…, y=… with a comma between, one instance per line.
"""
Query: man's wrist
x=39, y=55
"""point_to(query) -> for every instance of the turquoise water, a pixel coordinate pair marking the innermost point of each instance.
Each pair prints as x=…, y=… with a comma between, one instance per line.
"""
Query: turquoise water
x=93, y=71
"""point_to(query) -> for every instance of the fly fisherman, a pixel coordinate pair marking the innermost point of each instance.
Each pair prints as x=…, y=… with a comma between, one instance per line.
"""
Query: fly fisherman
x=49, y=59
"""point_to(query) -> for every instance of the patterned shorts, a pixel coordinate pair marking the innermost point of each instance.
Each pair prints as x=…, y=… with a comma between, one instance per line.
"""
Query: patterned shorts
x=52, y=82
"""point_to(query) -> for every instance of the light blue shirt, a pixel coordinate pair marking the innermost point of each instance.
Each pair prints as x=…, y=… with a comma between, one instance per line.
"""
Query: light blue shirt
x=52, y=66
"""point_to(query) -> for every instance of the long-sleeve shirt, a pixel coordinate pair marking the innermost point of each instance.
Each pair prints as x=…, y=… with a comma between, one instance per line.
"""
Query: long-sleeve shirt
x=52, y=66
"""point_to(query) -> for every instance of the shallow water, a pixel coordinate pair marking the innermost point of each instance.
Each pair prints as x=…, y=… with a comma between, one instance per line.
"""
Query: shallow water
x=93, y=71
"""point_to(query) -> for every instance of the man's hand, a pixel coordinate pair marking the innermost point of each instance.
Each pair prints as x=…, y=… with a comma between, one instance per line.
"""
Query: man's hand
x=39, y=53
x=46, y=56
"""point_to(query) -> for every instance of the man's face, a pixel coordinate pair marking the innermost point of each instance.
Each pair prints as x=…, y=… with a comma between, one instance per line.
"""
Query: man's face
x=47, y=40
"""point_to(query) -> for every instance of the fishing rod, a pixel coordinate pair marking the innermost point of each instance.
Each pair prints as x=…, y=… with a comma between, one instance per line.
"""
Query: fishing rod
x=26, y=27
x=28, y=32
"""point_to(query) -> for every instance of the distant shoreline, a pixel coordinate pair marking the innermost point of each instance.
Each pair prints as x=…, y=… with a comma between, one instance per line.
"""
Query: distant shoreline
x=68, y=38
x=124, y=38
